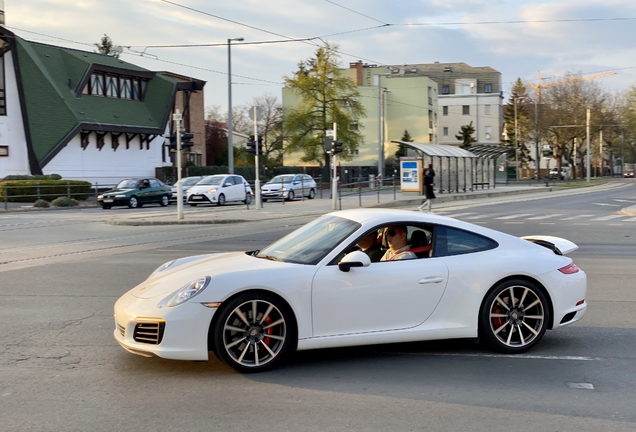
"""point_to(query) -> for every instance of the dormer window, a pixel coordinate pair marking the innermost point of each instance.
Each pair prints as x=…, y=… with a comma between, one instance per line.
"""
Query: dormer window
x=114, y=85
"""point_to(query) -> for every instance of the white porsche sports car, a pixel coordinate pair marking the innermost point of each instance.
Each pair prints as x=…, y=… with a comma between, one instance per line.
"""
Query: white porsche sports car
x=316, y=288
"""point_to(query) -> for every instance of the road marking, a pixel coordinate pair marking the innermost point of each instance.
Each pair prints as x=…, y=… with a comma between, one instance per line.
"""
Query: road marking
x=547, y=223
x=514, y=223
x=623, y=200
x=580, y=224
x=459, y=214
x=545, y=216
x=510, y=356
x=630, y=219
x=578, y=217
x=607, y=205
x=610, y=217
x=515, y=216
x=476, y=217
x=584, y=386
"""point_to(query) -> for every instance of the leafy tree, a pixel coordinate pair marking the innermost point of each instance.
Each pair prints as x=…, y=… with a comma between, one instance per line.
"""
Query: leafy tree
x=628, y=119
x=326, y=96
x=524, y=123
x=466, y=136
x=401, y=150
x=106, y=47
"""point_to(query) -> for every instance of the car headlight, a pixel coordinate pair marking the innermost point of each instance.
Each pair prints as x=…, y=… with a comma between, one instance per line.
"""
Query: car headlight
x=211, y=191
x=100, y=197
x=120, y=196
x=163, y=267
x=283, y=189
x=188, y=291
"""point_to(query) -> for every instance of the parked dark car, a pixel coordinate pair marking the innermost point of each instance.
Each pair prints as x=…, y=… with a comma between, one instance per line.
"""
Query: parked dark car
x=135, y=193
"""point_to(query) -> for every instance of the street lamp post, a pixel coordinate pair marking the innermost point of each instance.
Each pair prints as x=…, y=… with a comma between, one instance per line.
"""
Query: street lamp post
x=230, y=128
x=380, y=121
x=516, y=139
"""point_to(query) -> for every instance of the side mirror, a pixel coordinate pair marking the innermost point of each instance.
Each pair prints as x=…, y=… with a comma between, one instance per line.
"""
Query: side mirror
x=354, y=259
x=228, y=184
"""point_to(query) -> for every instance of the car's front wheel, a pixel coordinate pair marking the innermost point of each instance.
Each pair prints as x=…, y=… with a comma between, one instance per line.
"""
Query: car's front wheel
x=165, y=200
x=133, y=202
x=312, y=194
x=254, y=331
x=248, y=199
x=221, y=200
x=290, y=195
x=514, y=316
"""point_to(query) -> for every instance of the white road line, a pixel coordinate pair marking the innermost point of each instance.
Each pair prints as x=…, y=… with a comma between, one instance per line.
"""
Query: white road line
x=459, y=214
x=578, y=217
x=610, y=217
x=481, y=216
x=630, y=219
x=512, y=356
x=607, y=205
x=546, y=216
x=515, y=216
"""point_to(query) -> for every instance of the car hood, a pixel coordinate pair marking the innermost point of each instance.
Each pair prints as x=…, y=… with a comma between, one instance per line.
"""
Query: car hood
x=203, y=188
x=119, y=191
x=276, y=185
x=219, y=266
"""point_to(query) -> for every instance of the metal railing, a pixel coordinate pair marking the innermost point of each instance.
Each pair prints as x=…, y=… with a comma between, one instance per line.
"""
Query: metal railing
x=368, y=188
x=45, y=192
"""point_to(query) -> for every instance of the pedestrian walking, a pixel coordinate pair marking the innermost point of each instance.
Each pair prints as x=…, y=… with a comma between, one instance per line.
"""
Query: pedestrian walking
x=428, y=188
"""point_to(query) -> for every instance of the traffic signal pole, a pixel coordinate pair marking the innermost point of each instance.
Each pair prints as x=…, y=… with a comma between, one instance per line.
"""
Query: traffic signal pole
x=334, y=177
x=177, y=125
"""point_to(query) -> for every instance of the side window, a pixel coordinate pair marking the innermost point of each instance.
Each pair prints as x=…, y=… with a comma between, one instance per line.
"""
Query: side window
x=452, y=241
x=154, y=183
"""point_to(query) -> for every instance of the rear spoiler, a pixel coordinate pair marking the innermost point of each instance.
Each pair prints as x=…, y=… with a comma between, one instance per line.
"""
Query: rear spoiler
x=558, y=245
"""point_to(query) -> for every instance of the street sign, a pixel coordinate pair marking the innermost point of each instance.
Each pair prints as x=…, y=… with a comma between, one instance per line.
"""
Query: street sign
x=177, y=116
x=259, y=113
x=330, y=133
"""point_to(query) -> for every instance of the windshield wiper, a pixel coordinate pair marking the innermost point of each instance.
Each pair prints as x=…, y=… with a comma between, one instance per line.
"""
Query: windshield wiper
x=269, y=257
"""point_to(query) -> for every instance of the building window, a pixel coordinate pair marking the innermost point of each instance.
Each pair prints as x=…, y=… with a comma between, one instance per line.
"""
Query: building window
x=430, y=138
x=116, y=86
x=353, y=126
x=487, y=109
x=488, y=132
x=3, y=97
x=466, y=109
x=445, y=133
x=488, y=88
x=445, y=89
x=445, y=110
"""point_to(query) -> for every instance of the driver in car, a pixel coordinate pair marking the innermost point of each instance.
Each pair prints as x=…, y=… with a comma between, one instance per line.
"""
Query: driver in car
x=398, y=246
x=369, y=245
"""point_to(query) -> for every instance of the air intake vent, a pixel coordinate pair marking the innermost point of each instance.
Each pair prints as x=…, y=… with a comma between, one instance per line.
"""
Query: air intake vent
x=149, y=333
x=122, y=330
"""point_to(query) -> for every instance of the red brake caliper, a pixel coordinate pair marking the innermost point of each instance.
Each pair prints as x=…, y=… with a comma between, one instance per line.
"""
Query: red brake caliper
x=497, y=321
x=270, y=330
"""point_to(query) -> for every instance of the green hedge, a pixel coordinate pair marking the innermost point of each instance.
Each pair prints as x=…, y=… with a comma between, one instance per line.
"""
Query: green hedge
x=27, y=190
x=33, y=177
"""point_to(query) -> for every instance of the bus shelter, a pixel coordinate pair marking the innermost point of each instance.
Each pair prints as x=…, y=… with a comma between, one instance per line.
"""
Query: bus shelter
x=456, y=169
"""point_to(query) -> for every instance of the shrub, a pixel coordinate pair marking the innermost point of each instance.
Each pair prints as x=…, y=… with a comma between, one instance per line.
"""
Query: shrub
x=64, y=202
x=41, y=203
x=31, y=190
x=55, y=177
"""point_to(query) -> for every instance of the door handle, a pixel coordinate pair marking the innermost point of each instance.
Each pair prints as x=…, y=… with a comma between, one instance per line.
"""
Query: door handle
x=432, y=279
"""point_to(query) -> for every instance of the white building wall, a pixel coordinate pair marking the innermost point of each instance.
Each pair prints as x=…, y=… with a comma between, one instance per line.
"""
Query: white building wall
x=106, y=166
x=483, y=121
x=12, y=127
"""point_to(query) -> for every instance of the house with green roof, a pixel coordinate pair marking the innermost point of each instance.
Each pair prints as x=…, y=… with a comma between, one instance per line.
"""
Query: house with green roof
x=80, y=114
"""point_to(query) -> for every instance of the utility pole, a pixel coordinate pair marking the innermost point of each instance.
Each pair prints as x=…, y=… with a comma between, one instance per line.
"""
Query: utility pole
x=516, y=142
x=587, y=133
x=334, y=177
x=257, y=181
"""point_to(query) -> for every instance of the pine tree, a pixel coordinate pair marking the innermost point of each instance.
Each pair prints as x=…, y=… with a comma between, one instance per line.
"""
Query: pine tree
x=106, y=47
x=466, y=136
x=524, y=122
x=401, y=151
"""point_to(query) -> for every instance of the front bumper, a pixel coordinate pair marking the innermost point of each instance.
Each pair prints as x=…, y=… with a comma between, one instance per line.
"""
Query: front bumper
x=110, y=201
x=201, y=199
x=182, y=331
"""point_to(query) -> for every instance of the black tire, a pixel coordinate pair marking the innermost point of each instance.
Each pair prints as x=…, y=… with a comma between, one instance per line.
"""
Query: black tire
x=165, y=201
x=514, y=316
x=133, y=202
x=312, y=194
x=251, y=342
x=263, y=199
x=290, y=196
x=248, y=199
x=192, y=205
x=221, y=200
x=106, y=207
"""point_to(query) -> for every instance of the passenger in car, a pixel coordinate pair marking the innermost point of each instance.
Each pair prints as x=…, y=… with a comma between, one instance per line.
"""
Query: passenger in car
x=398, y=246
x=371, y=247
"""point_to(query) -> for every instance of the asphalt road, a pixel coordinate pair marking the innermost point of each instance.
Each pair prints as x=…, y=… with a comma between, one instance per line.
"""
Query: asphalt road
x=61, y=370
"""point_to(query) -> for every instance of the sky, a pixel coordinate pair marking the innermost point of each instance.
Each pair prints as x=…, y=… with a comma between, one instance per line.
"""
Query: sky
x=516, y=37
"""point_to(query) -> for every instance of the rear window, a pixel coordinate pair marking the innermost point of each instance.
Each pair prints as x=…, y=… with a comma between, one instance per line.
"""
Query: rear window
x=453, y=241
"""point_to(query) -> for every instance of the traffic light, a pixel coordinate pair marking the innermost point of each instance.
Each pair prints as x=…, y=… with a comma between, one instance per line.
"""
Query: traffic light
x=547, y=153
x=186, y=142
x=337, y=147
x=260, y=144
x=251, y=145
x=328, y=144
x=173, y=141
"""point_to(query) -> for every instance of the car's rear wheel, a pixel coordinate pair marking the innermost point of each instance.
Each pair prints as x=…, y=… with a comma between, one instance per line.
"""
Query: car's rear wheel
x=312, y=194
x=248, y=199
x=165, y=200
x=254, y=331
x=290, y=195
x=106, y=207
x=221, y=200
x=133, y=202
x=514, y=316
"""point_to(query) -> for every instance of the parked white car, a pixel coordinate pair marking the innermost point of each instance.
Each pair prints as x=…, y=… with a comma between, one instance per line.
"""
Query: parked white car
x=288, y=187
x=185, y=183
x=315, y=288
x=220, y=189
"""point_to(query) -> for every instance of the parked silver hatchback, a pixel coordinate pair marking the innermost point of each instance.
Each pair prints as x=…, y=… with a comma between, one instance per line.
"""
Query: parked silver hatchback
x=289, y=187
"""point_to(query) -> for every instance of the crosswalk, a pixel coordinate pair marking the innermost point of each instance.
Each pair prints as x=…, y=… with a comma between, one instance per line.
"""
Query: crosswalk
x=478, y=217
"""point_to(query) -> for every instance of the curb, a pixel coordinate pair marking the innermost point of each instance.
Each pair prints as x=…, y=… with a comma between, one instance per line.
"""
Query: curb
x=628, y=211
x=142, y=222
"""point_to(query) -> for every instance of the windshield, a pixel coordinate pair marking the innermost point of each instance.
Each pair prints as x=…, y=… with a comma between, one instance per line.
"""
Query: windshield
x=282, y=179
x=128, y=184
x=188, y=181
x=312, y=242
x=214, y=180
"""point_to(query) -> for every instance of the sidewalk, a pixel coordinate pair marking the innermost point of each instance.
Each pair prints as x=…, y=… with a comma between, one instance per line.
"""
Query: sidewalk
x=320, y=206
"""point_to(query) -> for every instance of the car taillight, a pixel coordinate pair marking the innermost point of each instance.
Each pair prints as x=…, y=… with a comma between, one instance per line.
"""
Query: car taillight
x=569, y=269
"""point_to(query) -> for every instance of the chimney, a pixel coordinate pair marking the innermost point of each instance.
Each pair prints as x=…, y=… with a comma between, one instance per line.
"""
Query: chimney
x=358, y=66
